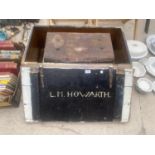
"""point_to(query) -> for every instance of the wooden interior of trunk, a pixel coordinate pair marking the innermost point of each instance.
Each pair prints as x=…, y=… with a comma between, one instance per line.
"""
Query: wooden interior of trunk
x=36, y=47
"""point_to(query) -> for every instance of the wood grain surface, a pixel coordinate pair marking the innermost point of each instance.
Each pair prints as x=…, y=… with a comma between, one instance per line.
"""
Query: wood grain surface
x=78, y=47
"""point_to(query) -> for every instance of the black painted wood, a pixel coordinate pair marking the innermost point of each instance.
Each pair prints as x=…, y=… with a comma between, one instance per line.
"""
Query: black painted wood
x=35, y=95
x=73, y=95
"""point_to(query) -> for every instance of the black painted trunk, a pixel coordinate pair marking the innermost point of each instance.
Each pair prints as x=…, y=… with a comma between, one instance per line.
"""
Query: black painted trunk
x=77, y=95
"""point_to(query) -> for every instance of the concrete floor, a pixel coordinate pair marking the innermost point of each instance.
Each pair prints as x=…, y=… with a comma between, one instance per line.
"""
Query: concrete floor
x=142, y=119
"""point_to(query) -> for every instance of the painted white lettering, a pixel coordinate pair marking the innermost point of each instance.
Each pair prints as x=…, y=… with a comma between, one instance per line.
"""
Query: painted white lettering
x=51, y=95
x=69, y=94
x=76, y=94
x=107, y=94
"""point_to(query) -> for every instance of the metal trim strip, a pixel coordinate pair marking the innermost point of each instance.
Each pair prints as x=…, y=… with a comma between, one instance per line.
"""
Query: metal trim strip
x=26, y=93
x=127, y=95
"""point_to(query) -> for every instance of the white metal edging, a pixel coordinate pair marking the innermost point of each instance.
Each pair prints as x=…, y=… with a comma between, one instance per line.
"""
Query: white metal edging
x=26, y=93
x=127, y=95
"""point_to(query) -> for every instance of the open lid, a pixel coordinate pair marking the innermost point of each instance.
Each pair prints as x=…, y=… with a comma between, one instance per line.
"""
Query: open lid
x=67, y=47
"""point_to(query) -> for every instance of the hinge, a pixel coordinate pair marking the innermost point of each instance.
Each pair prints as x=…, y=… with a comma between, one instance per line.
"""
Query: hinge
x=42, y=77
x=120, y=71
x=110, y=77
x=34, y=70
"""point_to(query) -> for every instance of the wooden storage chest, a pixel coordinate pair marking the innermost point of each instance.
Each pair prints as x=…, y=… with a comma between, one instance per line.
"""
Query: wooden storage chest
x=76, y=90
